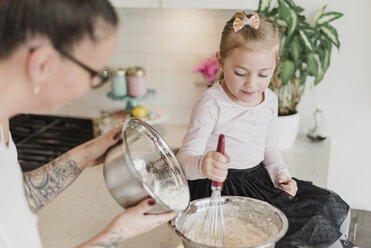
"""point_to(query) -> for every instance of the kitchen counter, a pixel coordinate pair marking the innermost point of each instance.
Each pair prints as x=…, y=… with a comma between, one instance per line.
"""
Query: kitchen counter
x=86, y=207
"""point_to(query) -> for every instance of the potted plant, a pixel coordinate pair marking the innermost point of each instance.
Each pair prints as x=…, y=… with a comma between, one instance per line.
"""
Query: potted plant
x=305, y=52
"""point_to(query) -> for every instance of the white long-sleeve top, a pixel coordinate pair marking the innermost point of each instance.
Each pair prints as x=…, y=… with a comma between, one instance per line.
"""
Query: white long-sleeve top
x=249, y=134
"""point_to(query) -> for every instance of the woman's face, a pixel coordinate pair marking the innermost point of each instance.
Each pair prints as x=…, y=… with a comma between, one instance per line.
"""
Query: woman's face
x=247, y=74
x=68, y=80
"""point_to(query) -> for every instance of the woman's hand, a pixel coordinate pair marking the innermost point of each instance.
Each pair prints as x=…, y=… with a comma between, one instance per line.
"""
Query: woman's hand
x=214, y=166
x=135, y=221
x=93, y=152
x=287, y=184
x=132, y=222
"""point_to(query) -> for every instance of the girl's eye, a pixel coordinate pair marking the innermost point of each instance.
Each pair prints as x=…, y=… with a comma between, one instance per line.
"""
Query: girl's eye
x=263, y=76
x=239, y=74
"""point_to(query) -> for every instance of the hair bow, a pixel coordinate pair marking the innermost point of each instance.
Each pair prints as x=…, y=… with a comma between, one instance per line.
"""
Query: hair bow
x=253, y=21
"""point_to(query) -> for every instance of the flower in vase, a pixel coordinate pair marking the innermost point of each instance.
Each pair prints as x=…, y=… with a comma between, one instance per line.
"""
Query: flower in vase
x=208, y=68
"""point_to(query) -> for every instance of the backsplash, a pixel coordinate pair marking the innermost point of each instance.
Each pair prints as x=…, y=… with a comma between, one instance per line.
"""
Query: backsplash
x=169, y=43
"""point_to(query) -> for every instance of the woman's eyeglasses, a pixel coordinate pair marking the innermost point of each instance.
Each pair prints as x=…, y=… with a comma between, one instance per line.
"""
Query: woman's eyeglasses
x=97, y=78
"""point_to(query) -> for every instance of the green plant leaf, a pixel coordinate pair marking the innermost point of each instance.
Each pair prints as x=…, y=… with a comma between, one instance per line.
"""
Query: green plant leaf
x=292, y=23
x=287, y=72
x=325, y=62
x=283, y=11
x=303, y=76
x=283, y=45
x=312, y=65
x=310, y=32
x=294, y=49
x=319, y=77
x=293, y=6
x=328, y=17
x=317, y=15
x=264, y=6
x=306, y=40
x=332, y=34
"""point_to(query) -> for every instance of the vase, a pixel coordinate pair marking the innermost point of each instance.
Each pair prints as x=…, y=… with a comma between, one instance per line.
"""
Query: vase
x=287, y=130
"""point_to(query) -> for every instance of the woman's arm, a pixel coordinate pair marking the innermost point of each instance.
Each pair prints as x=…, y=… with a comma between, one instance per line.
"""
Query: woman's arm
x=42, y=185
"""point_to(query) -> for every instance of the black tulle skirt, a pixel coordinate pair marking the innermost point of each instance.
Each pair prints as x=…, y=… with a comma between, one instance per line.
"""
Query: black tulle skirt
x=314, y=214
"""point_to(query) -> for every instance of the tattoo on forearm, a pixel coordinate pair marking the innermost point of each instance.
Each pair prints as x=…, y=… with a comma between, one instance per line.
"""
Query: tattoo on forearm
x=113, y=241
x=89, y=145
x=45, y=183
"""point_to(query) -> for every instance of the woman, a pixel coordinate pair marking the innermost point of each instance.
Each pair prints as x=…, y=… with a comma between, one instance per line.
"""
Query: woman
x=51, y=52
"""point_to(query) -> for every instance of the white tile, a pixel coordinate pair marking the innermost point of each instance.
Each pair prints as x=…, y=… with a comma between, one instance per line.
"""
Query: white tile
x=189, y=98
x=179, y=116
x=161, y=25
x=180, y=81
x=206, y=44
x=179, y=43
x=155, y=80
x=166, y=99
x=198, y=25
x=144, y=42
x=162, y=62
x=187, y=62
x=132, y=24
x=127, y=59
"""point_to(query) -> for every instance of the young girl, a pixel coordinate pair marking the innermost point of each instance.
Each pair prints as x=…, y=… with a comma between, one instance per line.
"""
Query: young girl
x=240, y=106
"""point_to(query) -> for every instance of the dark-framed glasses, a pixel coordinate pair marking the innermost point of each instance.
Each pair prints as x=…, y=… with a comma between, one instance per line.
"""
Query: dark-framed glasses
x=97, y=78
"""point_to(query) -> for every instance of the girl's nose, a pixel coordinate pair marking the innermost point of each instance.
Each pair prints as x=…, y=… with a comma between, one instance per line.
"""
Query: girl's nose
x=249, y=81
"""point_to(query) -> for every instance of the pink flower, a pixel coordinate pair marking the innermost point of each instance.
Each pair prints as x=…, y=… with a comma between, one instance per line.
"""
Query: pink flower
x=208, y=68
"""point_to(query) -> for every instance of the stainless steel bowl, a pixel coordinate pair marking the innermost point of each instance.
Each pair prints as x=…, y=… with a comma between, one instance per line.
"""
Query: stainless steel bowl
x=143, y=165
x=259, y=214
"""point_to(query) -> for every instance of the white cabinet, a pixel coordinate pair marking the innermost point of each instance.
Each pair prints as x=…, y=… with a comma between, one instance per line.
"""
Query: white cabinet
x=211, y=4
x=136, y=3
x=191, y=4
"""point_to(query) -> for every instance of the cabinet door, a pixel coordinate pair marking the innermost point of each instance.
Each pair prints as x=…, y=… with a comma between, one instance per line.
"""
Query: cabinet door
x=211, y=4
x=136, y=3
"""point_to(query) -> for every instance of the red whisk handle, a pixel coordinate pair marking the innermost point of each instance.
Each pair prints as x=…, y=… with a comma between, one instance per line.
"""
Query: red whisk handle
x=221, y=144
x=217, y=185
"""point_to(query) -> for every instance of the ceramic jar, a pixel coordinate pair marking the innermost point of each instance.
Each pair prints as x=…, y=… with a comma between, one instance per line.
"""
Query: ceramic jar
x=136, y=81
x=118, y=82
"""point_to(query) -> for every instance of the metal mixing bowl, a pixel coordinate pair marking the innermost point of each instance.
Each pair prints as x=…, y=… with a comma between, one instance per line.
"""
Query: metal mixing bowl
x=259, y=214
x=143, y=165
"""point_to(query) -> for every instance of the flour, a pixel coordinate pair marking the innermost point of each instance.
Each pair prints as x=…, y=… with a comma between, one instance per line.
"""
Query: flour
x=239, y=232
x=175, y=197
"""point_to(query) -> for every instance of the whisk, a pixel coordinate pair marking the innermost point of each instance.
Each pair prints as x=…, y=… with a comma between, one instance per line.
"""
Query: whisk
x=213, y=232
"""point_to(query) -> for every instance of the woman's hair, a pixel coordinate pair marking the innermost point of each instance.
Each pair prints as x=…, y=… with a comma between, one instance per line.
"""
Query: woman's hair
x=63, y=22
x=266, y=36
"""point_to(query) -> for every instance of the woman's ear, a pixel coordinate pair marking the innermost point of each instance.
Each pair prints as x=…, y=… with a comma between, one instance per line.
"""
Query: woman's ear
x=40, y=63
x=220, y=61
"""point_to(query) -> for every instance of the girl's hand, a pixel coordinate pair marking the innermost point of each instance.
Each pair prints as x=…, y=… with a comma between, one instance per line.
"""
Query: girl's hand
x=134, y=221
x=287, y=184
x=93, y=152
x=214, y=166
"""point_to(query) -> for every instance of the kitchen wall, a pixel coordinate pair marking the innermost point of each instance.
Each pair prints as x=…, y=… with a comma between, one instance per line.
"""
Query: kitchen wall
x=169, y=43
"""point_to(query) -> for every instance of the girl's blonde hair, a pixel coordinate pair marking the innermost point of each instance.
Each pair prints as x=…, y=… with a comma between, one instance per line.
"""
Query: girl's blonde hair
x=266, y=36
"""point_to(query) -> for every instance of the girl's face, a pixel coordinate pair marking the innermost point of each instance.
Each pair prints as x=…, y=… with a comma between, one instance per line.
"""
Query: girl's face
x=70, y=81
x=247, y=74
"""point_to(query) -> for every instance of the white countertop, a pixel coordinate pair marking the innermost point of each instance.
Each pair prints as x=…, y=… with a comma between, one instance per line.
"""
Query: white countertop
x=86, y=207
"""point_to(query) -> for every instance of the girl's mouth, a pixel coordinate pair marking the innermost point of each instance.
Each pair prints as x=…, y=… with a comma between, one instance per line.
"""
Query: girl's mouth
x=248, y=93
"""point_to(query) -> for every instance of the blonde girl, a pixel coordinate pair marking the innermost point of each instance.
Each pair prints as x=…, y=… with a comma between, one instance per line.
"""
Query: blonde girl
x=242, y=107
